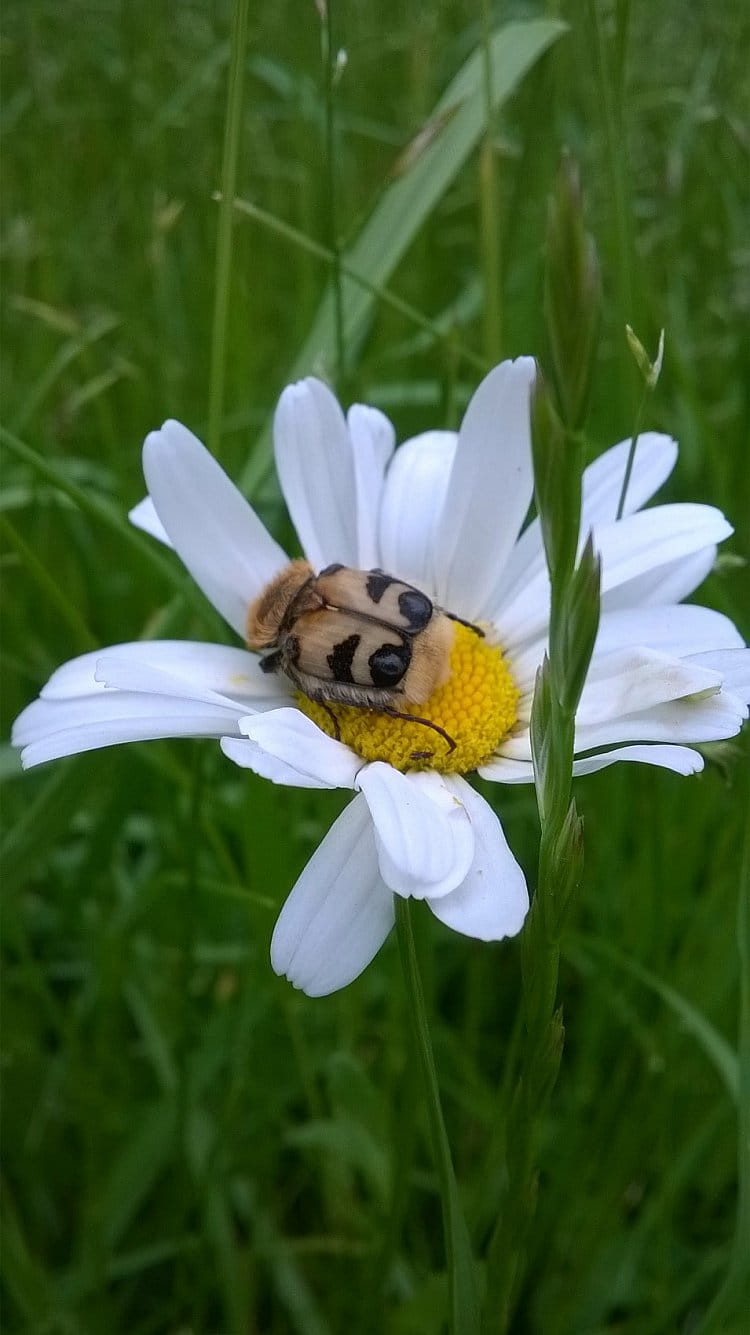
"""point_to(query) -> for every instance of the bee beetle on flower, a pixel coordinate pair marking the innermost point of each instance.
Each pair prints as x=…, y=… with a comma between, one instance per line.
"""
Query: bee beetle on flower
x=399, y=685
x=359, y=638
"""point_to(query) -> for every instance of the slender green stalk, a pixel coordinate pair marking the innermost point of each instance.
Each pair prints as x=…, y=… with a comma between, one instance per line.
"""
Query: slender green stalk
x=650, y=370
x=49, y=587
x=232, y=130
x=189, y=894
x=489, y=213
x=105, y=512
x=330, y=58
x=464, y=1312
x=571, y=299
x=442, y=333
x=631, y=453
x=734, y=1295
x=616, y=157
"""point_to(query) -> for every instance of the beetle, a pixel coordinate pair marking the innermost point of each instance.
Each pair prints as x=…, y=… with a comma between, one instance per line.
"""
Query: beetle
x=354, y=637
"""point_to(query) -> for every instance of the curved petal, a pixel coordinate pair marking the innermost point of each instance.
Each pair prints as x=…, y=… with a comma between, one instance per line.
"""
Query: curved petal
x=373, y=440
x=489, y=491
x=340, y=911
x=144, y=516
x=216, y=534
x=49, y=729
x=492, y=901
x=500, y=770
x=316, y=471
x=680, y=759
x=422, y=832
x=733, y=665
x=629, y=681
x=655, y=458
x=692, y=720
x=284, y=745
x=631, y=550
x=668, y=583
x=649, y=539
x=677, y=630
x=413, y=496
x=205, y=667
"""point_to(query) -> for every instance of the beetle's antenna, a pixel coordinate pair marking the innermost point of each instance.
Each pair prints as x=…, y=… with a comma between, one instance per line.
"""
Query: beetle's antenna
x=476, y=629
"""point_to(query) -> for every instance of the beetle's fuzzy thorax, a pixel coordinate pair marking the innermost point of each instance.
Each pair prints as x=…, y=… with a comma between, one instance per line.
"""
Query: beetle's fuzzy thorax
x=268, y=612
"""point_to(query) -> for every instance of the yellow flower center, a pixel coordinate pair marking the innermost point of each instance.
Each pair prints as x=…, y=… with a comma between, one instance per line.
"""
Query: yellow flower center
x=476, y=709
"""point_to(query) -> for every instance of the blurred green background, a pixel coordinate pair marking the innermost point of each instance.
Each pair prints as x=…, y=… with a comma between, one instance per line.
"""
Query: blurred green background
x=190, y=1146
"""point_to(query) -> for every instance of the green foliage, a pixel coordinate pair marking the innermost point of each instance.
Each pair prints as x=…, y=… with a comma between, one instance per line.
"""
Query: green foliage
x=188, y=1144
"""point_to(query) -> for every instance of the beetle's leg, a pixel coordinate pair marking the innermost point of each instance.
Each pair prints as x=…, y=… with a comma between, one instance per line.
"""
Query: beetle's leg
x=414, y=718
x=334, y=720
x=462, y=622
x=271, y=662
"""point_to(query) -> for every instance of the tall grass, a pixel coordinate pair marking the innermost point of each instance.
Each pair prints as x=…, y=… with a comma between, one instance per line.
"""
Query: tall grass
x=188, y=1144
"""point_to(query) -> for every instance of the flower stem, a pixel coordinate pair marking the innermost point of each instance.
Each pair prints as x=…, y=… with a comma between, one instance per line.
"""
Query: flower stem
x=232, y=129
x=464, y=1310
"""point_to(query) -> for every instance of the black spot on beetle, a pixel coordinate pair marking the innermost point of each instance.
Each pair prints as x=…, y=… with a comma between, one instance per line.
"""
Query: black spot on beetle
x=333, y=569
x=340, y=661
x=415, y=607
x=377, y=583
x=389, y=663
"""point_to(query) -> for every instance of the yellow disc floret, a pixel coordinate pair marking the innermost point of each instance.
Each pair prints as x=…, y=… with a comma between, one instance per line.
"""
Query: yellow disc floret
x=476, y=708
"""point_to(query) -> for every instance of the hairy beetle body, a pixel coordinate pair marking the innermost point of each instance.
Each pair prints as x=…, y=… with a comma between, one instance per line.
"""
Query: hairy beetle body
x=353, y=637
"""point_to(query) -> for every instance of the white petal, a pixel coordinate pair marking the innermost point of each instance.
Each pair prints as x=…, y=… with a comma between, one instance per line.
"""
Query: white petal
x=679, y=721
x=316, y=471
x=249, y=756
x=422, y=832
x=501, y=770
x=734, y=667
x=217, y=535
x=602, y=482
x=49, y=729
x=415, y=487
x=635, y=547
x=284, y=745
x=492, y=901
x=489, y=491
x=655, y=457
x=144, y=516
x=680, y=759
x=677, y=630
x=629, y=681
x=339, y=913
x=373, y=440
x=123, y=674
x=645, y=541
x=207, y=667
x=668, y=583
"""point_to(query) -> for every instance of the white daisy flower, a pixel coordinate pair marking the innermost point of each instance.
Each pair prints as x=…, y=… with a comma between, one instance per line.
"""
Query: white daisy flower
x=444, y=513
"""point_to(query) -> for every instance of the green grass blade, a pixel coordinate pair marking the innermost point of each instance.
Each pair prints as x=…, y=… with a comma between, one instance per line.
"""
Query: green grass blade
x=409, y=199
x=713, y=1044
